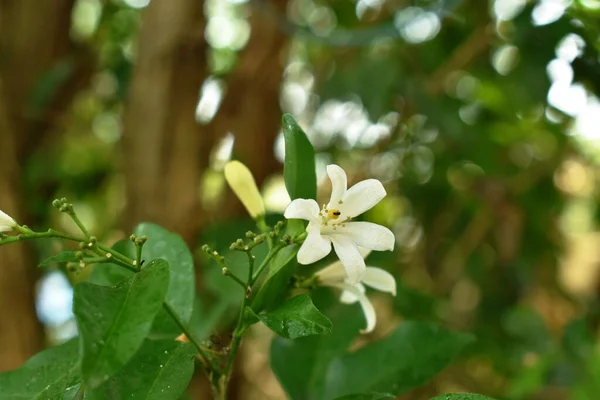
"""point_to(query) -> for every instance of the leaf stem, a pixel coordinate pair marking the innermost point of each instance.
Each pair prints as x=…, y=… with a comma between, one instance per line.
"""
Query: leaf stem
x=186, y=331
x=265, y=262
x=71, y=213
x=227, y=272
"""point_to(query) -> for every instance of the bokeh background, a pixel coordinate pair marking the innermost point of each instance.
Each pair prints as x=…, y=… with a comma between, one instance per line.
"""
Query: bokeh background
x=481, y=117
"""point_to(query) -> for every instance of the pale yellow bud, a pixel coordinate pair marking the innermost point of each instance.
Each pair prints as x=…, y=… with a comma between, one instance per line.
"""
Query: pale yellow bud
x=242, y=183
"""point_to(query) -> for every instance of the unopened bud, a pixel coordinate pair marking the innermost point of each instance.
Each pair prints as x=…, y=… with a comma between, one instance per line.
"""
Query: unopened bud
x=7, y=224
x=241, y=181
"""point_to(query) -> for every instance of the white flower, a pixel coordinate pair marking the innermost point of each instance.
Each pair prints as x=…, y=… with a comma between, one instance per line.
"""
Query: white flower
x=334, y=276
x=241, y=181
x=331, y=224
x=6, y=222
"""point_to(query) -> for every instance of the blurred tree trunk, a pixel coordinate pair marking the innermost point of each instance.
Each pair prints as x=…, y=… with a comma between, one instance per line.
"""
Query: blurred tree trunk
x=31, y=44
x=19, y=328
x=165, y=150
x=250, y=109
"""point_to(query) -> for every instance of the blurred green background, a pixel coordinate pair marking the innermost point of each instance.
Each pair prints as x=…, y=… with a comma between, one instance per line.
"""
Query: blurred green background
x=481, y=117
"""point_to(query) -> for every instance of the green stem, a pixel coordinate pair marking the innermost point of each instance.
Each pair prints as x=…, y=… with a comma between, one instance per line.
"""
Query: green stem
x=235, y=344
x=227, y=272
x=138, y=255
x=265, y=262
x=185, y=331
x=118, y=256
x=77, y=221
x=251, y=259
x=80, y=392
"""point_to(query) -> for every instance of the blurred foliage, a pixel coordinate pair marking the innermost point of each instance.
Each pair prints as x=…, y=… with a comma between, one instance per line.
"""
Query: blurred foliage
x=491, y=183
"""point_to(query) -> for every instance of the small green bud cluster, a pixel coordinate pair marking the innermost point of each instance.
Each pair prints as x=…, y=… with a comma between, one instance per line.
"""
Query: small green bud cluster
x=63, y=205
x=254, y=240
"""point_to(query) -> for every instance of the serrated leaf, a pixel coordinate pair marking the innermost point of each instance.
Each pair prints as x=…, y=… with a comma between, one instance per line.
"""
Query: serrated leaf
x=368, y=396
x=460, y=396
x=182, y=287
x=408, y=358
x=113, y=321
x=46, y=376
x=160, y=370
x=299, y=166
x=62, y=257
x=296, y=318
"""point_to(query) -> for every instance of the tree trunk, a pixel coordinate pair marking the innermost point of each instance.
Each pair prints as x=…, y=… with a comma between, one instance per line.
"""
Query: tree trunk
x=251, y=109
x=164, y=147
x=31, y=43
x=19, y=328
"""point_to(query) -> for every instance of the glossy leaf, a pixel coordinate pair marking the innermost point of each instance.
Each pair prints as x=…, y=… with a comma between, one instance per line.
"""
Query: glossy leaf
x=323, y=369
x=304, y=378
x=369, y=396
x=299, y=167
x=160, y=370
x=460, y=396
x=296, y=318
x=113, y=321
x=180, y=296
x=48, y=375
x=408, y=358
x=281, y=270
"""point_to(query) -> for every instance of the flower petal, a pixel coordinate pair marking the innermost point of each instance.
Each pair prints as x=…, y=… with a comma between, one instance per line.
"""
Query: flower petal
x=362, y=197
x=369, y=235
x=380, y=279
x=348, y=297
x=333, y=273
x=366, y=305
x=307, y=209
x=350, y=257
x=364, y=252
x=6, y=222
x=314, y=248
x=339, y=184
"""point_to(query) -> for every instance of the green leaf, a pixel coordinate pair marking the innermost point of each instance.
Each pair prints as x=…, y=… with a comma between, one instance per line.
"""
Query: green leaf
x=281, y=270
x=299, y=167
x=62, y=257
x=273, y=289
x=460, y=396
x=160, y=370
x=109, y=274
x=323, y=369
x=113, y=321
x=296, y=318
x=48, y=375
x=304, y=379
x=182, y=288
x=408, y=358
x=369, y=396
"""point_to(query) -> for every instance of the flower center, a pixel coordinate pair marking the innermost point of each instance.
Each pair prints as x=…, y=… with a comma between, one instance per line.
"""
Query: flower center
x=333, y=214
x=332, y=217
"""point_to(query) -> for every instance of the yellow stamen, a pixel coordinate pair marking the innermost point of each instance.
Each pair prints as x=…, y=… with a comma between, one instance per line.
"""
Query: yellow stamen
x=333, y=214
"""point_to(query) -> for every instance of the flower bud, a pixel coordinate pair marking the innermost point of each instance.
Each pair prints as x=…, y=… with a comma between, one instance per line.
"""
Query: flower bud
x=242, y=183
x=6, y=222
